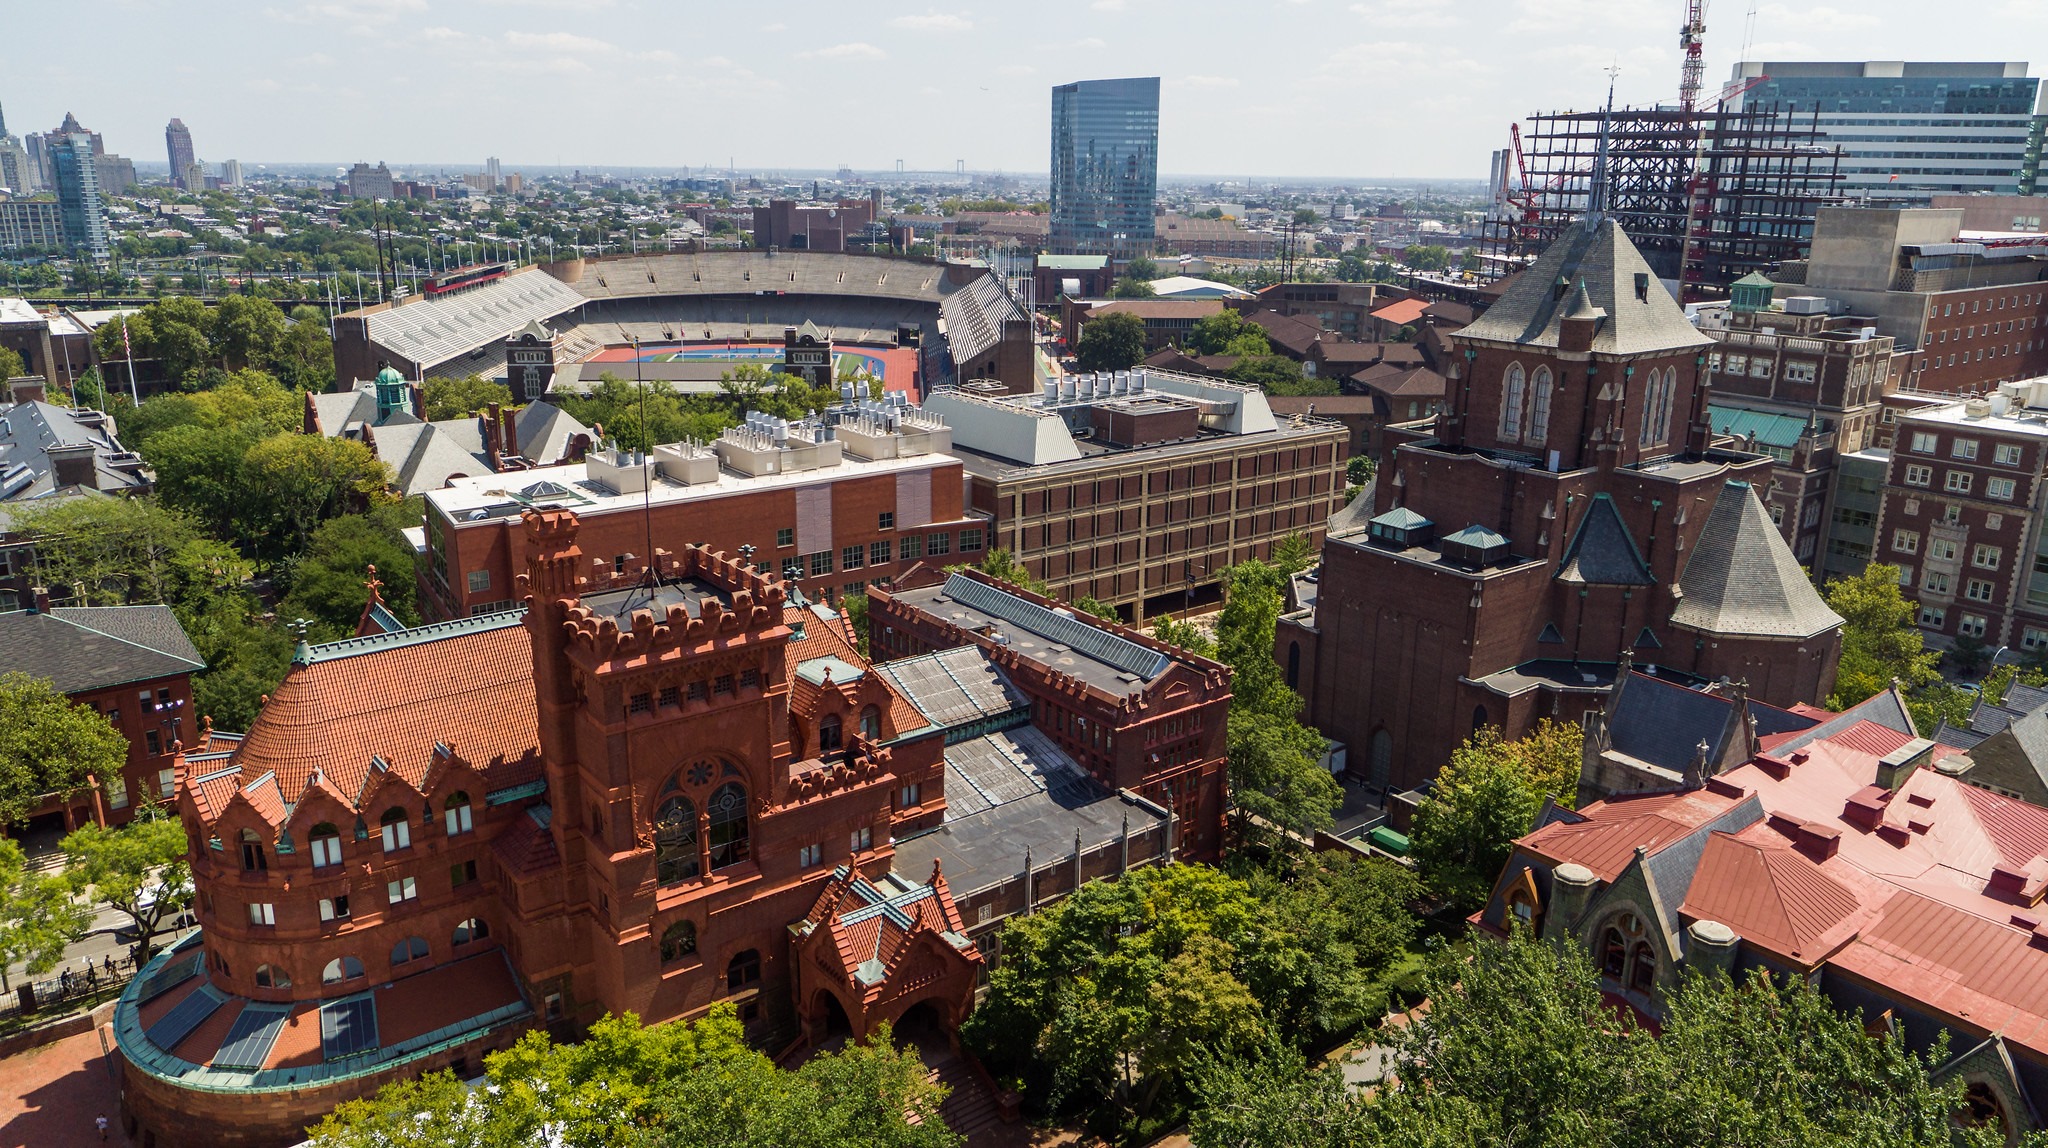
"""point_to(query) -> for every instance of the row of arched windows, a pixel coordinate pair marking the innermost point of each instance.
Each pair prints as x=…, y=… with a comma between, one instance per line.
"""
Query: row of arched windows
x=347, y=968
x=1526, y=401
x=394, y=832
x=677, y=856
x=1525, y=406
x=680, y=940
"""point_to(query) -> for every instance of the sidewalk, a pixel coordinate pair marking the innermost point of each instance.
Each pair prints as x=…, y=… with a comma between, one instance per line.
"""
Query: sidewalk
x=49, y=1096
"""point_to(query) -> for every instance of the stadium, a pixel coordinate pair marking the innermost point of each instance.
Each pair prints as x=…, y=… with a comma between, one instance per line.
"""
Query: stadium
x=688, y=317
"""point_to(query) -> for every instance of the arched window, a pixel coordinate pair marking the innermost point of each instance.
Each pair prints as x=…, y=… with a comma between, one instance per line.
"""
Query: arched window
x=326, y=845
x=1642, y=967
x=252, y=851
x=1664, y=408
x=828, y=734
x=1478, y=718
x=473, y=929
x=341, y=969
x=1511, y=398
x=743, y=970
x=457, y=815
x=871, y=724
x=1539, y=408
x=396, y=829
x=1625, y=955
x=675, y=841
x=1657, y=407
x=409, y=949
x=728, y=825
x=678, y=941
x=1613, y=953
x=1293, y=664
x=272, y=977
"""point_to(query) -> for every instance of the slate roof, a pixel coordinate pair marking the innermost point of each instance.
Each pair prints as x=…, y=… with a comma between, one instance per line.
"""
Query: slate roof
x=27, y=432
x=81, y=648
x=1742, y=578
x=1529, y=313
x=1661, y=722
x=1601, y=552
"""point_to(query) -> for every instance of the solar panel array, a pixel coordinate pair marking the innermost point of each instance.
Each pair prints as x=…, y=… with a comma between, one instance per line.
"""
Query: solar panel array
x=348, y=1027
x=174, y=973
x=190, y=1013
x=250, y=1038
x=1084, y=639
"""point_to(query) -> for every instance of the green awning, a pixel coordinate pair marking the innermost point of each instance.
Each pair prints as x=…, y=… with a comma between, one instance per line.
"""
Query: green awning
x=1770, y=429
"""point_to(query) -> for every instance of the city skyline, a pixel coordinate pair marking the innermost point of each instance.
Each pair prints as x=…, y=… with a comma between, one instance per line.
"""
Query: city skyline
x=540, y=82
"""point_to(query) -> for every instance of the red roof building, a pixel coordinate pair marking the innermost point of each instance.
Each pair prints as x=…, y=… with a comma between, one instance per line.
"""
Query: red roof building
x=1847, y=854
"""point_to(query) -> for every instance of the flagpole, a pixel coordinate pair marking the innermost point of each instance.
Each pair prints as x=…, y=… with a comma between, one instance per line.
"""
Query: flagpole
x=134, y=396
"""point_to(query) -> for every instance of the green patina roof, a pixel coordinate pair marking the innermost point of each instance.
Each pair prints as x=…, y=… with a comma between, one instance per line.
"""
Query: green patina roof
x=1753, y=279
x=388, y=377
x=1401, y=518
x=1770, y=429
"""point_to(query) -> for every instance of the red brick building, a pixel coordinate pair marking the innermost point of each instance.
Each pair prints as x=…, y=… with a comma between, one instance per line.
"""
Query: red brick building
x=639, y=794
x=131, y=663
x=1568, y=511
x=1962, y=513
x=833, y=509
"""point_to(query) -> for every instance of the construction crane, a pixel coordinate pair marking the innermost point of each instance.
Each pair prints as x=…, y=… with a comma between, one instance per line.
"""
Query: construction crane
x=1692, y=41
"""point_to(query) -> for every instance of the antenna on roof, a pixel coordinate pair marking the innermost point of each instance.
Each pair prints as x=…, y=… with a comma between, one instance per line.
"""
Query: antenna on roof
x=646, y=478
x=1596, y=201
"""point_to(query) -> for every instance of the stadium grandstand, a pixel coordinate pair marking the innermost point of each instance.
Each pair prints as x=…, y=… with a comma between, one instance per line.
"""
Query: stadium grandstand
x=959, y=318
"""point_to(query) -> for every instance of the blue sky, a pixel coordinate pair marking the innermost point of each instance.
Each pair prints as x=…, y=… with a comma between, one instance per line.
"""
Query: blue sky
x=1353, y=88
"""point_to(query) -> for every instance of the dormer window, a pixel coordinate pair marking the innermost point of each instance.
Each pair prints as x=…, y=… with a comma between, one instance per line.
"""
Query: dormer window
x=396, y=830
x=829, y=738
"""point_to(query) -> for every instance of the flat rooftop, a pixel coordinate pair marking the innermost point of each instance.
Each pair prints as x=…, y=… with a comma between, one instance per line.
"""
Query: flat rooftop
x=689, y=593
x=1055, y=637
x=485, y=496
x=1011, y=793
x=1096, y=454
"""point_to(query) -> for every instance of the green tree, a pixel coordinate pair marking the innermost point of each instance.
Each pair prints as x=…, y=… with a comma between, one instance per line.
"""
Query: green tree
x=1294, y=553
x=1279, y=375
x=1880, y=644
x=49, y=744
x=1112, y=342
x=854, y=609
x=1360, y=470
x=304, y=356
x=1141, y=267
x=329, y=581
x=1130, y=288
x=1095, y=606
x=139, y=869
x=1487, y=796
x=1275, y=771
x=246, y=332
x=456, y=398
x=1427, y=257
x=1000, y=563
x=38, y=916
x=1214, y=334
x=1188, y=637
x=11, y=365
x=293, y=482
x=1305, y=217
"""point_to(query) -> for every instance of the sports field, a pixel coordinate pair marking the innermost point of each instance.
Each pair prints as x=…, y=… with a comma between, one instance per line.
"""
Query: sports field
x=895, y=366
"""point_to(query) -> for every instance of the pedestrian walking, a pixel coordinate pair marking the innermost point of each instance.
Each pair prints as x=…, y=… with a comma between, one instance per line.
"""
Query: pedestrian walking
x=109, y=962
x=100, y=1122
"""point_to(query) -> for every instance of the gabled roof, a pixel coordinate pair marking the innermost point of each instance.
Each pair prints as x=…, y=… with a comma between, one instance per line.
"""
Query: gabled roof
x=1530, y=312
x=1662, y=722
x=1742, y=578
x=81, y=648
x=1601, y=552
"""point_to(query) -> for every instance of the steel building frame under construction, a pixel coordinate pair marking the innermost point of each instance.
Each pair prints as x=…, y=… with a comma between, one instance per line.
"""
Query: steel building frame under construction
x=1708, y=196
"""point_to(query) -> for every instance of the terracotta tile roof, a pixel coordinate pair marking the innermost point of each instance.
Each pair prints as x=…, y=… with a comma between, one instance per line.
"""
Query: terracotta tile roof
x=1403, y=312
x=826, y=637
x=1605, y=840
x=469, y=685
x=526, y=846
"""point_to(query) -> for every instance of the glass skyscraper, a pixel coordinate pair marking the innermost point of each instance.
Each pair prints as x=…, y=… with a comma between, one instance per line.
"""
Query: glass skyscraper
x=78, y=190
x=1105, y=165
x=1913, y=130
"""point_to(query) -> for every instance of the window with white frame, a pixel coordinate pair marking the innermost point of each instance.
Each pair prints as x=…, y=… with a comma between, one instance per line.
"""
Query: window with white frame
x=1951, y=513
x=1970, y=626
x=862, y=838
x=1924, y=442
x=2032, y=639
x=1919, y=475
x=1959, y=482
x=1539, y=408
x=402, y=889
x=1905, y=575
x=1977, y=590
x=810, y=855
x=1799, y=370
x=262, y=913
x=1999, y=488
x=1985, y=556
x=1906, y=541
x=1941, y=549
x=396, y=830
x=1931, y=617
x=2006, y=454
x=1513, y=392
x=1963, y=448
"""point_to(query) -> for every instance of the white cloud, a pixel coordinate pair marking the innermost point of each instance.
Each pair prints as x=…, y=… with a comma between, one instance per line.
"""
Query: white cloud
x=439, y=32
x=934, y=21
x=1407, y=14
x=1209, y=81
x=856, y=50
x=361, y=13
x=778, y=26
x=1108, y=5
x=556, y=42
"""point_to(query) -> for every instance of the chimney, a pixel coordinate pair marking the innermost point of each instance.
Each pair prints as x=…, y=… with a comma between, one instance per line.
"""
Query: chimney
x=1895, y=767
x=28, y=389
x=509, y=436
x=73, y=465
x=39, y=600
x=490, y=428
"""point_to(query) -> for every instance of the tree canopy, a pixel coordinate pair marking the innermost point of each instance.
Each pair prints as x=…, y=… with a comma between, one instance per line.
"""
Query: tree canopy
x=668, y=1086
x=49, y=744
x=1112, y=342
x=1227, y=332
x=1275, y=770
x=455, y=398
x=38, y=916
x=1521, y=1048
x=1488, y=795
x=139, y=869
